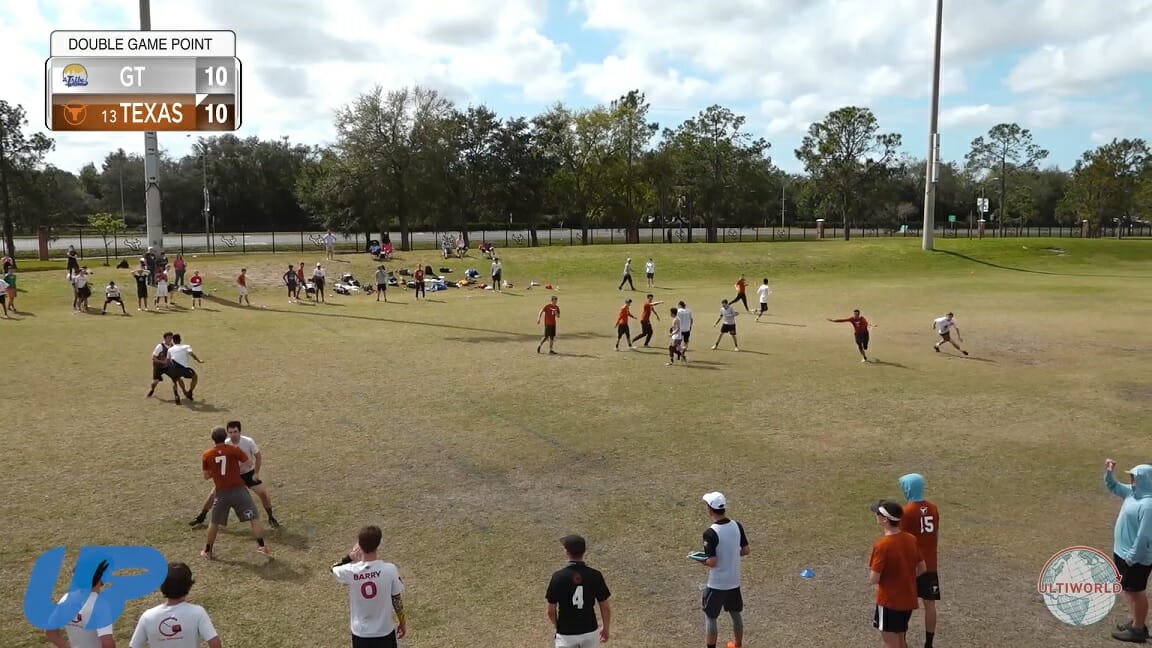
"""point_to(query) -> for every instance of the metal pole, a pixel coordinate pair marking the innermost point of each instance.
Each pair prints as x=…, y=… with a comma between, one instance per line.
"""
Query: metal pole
x=930, y=175
x=781, y=205
x=207, y=204
x=153, y=218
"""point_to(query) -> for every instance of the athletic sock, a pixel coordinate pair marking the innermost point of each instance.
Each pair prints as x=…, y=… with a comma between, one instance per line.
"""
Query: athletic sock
x=928, y=636
x=260, y=541
x=208, y=548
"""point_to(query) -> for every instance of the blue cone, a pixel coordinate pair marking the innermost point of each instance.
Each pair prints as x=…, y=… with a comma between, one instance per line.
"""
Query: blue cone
x=807, y=573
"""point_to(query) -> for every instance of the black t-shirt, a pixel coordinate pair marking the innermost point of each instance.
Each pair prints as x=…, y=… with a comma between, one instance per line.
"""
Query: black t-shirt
x=575, y=590
x=141, y=281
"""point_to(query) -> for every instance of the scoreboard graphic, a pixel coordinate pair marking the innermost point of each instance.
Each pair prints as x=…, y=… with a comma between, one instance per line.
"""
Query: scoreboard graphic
x=142, y=81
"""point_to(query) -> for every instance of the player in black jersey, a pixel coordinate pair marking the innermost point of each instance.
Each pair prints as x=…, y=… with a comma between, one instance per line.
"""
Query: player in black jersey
x=573, y=593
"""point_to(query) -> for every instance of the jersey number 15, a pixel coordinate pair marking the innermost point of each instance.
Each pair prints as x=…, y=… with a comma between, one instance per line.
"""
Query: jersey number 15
x=927, y=524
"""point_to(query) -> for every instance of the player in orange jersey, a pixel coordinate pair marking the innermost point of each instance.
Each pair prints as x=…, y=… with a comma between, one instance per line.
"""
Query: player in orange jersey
x=622, y=331
x=860, y=328
x=894, y=567
x=221, y=463
x=646, y=314
x=922, y=519
x=549, y=314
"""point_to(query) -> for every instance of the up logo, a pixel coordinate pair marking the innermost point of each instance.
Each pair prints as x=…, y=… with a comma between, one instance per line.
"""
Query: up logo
x=102, y=562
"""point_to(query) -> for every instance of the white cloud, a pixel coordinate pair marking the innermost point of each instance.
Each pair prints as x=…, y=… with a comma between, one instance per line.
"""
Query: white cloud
x=782, y=63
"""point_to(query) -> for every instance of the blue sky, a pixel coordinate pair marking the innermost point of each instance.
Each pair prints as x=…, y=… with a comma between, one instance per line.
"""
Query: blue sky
x=1075, y=77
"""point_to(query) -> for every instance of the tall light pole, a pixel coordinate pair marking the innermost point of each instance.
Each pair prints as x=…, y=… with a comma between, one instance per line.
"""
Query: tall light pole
x=153, y=219
x=931, y=174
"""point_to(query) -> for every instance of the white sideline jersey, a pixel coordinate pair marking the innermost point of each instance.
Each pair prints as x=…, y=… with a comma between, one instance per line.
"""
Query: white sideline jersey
x=248, y=445
x=371, y=586
x=943, y=325
x=184, y=625
x=685, y=317
x=763, y=291
x=78, y=637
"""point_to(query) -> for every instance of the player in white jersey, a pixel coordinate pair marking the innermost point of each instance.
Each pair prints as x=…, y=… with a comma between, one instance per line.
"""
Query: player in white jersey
x=249, y=472
x=728, y=316
x=724, y=545
x=762, y=292
x=75, y=635
x=676, y=342
x=175, y=623
x=685, y=316
x=374, y=589
x=179, y=367
x=650, y=272
x=944, y=327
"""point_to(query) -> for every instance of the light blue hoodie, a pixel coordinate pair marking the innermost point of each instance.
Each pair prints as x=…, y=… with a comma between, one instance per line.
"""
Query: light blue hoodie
x=913, y=486
x=1132, y=539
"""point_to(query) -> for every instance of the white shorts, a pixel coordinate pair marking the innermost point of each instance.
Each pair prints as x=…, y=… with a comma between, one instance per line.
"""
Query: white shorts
x=590, y=640
x=161, y=289
x=243, y=290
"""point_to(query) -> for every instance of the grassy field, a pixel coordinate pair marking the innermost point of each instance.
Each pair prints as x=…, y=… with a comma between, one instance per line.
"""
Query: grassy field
x=439, y=422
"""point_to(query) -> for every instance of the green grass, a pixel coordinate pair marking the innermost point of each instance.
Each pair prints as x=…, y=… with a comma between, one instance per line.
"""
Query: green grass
x=437, y=421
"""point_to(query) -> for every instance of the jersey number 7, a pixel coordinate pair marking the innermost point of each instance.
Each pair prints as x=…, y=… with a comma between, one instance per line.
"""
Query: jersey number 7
x=222, y=464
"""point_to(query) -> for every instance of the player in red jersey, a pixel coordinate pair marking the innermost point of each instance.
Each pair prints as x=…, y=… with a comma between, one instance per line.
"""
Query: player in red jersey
x=549, y=314
x=860, y=328
x=221, y=464
x=922, y=519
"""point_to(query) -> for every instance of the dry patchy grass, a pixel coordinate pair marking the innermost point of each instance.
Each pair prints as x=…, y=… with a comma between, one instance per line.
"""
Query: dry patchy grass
x=438, y=421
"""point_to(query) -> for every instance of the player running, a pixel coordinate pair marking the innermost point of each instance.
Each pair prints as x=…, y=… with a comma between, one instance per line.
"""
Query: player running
x=944, y=327
x=676, y=343
x=627, y=279
x=860, y=328
x=573, y=593
x=741, y=293
x=762, y=292
x=922, y=519
x=221, y=463
x=549, y=313
x=646, y=313
x=249, y=472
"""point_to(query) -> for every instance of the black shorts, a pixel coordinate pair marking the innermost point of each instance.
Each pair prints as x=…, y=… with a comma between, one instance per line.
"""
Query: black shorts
x=763, y=307
x=687, y=335
x=142, y=292
x=886, y=620
x=197, y=293
x=928, y=586
x=549, y=330
x=946, y=337
x=250, y=479
x=375, y=642
x=1133, y=578
x=159, y=371
x=862, y=340
x=177, y=370
x=496, y=278
x=715, y=600
x=649, y=274
x=646, y=327
x=727, y=328
x=622, y=329
x=382, y=287
x=109, y=300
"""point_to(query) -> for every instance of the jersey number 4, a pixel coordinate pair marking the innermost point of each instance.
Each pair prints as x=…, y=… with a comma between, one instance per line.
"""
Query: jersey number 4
x=927, y=524
x=578, y=597
x=222, y=464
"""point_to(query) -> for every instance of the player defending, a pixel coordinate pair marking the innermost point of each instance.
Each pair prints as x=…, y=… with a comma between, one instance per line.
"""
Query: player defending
x=374, y=589
x=112, y=296
x=646, y=313
x=249, y=472
x=160, y=362
x=571, y=593
x=622, y=331
x=944, y=327
x=728, y=316
x=549, y=314
x=922, y=519
x=221, y=463
x=894, y=566
x=75, y=635
x=676, y=342
x=179, y=368
x=860, y=328
x=724, y=545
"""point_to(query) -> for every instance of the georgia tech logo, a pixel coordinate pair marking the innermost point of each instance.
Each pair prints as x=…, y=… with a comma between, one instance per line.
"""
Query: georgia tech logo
x=75, y=75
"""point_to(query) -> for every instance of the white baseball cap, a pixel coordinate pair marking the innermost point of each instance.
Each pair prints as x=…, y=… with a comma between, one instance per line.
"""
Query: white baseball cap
x=715, y=501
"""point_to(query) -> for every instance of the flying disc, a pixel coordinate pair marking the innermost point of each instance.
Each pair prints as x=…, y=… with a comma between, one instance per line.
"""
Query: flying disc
x=698, y=556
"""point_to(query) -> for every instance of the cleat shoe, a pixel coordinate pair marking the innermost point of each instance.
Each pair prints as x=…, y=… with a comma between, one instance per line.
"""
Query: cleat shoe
x=1132, y=635
x=263, y=550
x=198, y=521
x=273, y=523
x=207, y=555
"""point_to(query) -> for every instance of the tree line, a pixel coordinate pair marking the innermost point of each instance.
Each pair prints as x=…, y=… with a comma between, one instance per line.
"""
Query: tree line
x=411, y=159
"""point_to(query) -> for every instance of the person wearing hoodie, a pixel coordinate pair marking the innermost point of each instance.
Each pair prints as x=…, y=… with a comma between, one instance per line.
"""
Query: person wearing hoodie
x=922, y=519
x=1132, y=546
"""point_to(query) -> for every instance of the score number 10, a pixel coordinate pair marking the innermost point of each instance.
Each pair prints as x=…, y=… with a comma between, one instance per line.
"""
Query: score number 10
x=217, y=111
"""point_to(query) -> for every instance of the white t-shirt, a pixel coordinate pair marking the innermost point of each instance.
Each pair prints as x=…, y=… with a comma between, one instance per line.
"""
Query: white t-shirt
x=763, y=291
x=183, y=625
x=676, y=335
x=3, y=285
x=78, y=637
x=627, y=267
x=250, y=448
x=179, y=353
x=650, y=268
x=727, y=315
x=112, y=292
x=371, y=586
x=685, y=317
x=329, y=239
x=495, y=269
x=943, y=325
x=80, y=280
x=318, y=272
